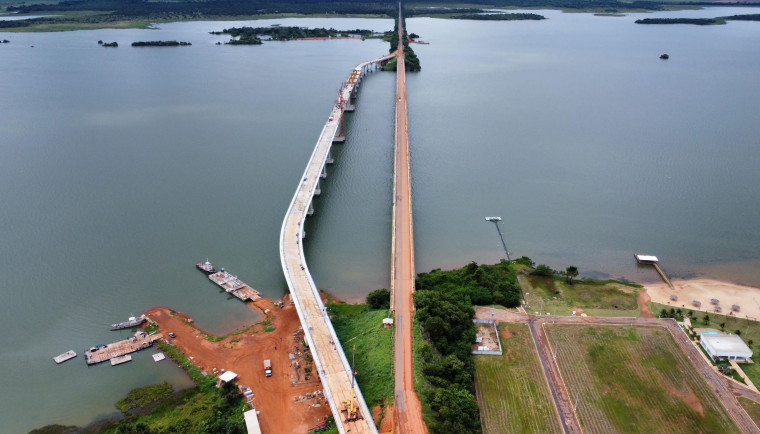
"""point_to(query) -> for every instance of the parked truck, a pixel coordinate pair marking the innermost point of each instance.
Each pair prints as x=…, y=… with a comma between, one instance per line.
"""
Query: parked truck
x=268, y=368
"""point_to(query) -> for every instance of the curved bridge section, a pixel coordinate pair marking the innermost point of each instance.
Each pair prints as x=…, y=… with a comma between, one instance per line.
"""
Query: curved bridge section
x=331, y=363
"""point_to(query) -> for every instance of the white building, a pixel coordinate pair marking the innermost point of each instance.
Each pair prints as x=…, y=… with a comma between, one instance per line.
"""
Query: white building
x=728, y=347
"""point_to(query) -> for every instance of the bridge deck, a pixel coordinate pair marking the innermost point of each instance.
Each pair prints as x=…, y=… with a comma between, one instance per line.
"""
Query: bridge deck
x=332, y=365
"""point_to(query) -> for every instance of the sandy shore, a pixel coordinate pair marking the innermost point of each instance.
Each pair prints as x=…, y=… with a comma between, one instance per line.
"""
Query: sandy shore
x=747, y=297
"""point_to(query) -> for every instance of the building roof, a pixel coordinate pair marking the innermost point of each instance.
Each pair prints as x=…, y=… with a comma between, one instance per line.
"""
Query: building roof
x=724, y=344
x=227, y=376
x=646, y=258
x=252, y=422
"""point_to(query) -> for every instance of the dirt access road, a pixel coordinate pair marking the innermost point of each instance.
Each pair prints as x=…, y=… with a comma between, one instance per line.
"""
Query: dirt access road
x=724, y=393
x=407, y=409
x=275, y=397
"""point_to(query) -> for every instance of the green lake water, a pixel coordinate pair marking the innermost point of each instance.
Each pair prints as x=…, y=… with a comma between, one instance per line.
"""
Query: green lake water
x=121, y=168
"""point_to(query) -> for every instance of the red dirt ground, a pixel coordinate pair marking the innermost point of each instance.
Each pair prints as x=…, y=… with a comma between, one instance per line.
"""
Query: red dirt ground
x=282, y=405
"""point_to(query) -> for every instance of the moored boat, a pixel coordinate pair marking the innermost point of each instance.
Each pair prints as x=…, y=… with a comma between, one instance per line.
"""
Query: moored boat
x=206, y=267
x=131, y=322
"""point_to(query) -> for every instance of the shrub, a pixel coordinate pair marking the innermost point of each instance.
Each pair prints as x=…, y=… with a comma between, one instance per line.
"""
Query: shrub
x=379, y=299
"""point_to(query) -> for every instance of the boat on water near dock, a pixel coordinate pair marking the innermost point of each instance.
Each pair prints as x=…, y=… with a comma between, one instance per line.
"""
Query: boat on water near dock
x=206, y=267
x=131, y=322
x=68, y=355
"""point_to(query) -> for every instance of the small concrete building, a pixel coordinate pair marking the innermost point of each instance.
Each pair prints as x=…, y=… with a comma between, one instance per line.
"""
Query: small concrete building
x=725, y=347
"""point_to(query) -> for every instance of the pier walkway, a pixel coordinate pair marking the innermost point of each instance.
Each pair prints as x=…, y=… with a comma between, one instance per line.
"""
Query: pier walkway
x=329, y=358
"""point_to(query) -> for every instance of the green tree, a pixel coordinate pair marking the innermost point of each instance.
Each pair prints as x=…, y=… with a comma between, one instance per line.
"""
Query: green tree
x=570, y=272
x=543, y=270
x=706, y=319
x=379, y=299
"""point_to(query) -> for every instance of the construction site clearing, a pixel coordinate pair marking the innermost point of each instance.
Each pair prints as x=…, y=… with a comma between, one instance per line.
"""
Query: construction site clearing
x=294, y=389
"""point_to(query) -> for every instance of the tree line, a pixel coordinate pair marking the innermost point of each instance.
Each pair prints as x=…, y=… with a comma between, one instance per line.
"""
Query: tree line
x=444, y=301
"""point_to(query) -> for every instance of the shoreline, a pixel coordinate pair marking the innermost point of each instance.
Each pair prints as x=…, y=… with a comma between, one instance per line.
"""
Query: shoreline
x=705, y=289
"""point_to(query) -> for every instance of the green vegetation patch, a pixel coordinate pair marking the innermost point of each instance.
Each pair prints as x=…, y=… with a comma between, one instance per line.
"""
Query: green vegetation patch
x=593, y=297
x=356, y=324
x=143, y=396
x=634, y=379
x=752, y=408
x=511, y=389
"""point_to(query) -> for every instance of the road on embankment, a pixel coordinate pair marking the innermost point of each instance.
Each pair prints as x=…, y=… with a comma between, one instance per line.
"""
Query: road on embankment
x=408, y=412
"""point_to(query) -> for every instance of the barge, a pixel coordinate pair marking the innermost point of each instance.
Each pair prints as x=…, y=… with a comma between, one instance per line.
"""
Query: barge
x=232, y=285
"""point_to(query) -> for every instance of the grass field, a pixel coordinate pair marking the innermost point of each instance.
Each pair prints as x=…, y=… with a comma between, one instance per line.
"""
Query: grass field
x=752, y=408
x=356, y=325
x=597, y=298
x=634, y=379
x=512, y=393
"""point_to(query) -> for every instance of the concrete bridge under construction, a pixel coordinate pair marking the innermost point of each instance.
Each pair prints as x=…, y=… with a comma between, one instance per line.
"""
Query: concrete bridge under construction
x=329, y=358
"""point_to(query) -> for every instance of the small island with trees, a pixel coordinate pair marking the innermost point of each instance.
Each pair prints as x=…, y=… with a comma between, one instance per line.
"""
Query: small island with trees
x=252, y=35
x=700, y=21
x=160, y=44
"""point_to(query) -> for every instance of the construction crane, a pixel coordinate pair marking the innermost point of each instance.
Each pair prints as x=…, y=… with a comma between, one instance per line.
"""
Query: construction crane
x=349, y=405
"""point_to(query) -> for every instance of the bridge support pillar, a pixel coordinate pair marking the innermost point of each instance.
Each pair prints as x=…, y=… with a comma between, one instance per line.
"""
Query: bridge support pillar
x=310, y=212
x=330, y=159
x=323, y=175
x=318, y=190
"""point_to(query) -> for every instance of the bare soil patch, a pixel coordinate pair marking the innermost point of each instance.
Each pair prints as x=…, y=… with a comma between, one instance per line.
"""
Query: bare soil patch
x=287, y=400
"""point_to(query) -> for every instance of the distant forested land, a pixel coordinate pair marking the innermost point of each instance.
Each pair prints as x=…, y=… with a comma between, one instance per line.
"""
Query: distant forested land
x=119, y=11
x=160, y=44
x=101, y=13
x=498, y=17
x=700, y=21
x=697, y=21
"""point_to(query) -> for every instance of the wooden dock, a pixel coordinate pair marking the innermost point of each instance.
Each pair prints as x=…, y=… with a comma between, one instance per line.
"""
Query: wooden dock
x=664, y=277
x=101, y=353
x=653, y=261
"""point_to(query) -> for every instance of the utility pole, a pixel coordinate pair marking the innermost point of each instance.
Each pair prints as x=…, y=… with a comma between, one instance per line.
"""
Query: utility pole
x=555, y=350
x=575, y=407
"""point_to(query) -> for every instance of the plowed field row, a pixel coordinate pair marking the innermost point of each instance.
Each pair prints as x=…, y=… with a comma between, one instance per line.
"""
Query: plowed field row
x=511, y=390
x=634, y=379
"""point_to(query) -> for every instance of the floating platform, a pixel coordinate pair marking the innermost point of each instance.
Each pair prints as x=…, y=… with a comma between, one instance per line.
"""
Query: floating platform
x=121, y=359
x=232, y=285
x=158, y=357
x=68, y=355
x=101, y=353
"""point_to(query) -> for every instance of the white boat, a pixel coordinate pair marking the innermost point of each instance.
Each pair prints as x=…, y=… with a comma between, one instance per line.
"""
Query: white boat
x=68, y=355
